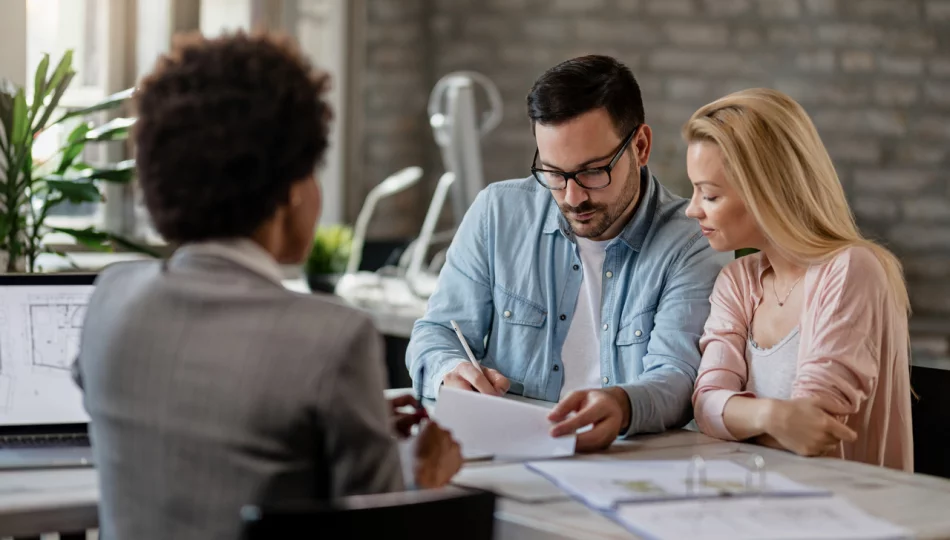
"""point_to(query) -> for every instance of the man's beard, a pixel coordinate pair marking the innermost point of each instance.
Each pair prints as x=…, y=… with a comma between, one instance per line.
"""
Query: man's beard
x=606, y=214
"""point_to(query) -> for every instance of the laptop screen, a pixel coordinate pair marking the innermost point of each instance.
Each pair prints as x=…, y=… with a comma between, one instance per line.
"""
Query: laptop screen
x=41, y=318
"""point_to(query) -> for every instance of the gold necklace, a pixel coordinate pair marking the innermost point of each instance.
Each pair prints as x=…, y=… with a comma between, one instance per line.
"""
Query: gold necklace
x=782, y=302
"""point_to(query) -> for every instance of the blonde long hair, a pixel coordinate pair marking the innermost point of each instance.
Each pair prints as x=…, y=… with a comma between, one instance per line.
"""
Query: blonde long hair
x=783, y=173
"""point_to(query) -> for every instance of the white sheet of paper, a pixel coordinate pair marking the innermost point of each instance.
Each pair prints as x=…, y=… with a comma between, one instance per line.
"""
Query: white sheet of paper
x=504, y=428
x=795, y=518
x=604, y=484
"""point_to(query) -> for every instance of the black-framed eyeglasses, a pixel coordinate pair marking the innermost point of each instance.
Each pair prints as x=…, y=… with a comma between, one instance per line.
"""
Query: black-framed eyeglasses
x=593, y=178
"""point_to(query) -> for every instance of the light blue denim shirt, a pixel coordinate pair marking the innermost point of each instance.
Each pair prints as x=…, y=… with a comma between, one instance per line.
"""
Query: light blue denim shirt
x=511, y=280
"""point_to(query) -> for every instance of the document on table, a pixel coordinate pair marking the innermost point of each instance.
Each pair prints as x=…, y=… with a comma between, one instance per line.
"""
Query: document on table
x=503, y=428
x=605, y=484
x=796, y=518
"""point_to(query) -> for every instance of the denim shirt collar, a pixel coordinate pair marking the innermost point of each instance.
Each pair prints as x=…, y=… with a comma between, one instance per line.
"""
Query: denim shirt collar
x=634, y=233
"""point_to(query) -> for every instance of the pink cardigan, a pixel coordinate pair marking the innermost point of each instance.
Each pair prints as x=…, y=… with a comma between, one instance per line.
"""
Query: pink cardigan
x=853, y=354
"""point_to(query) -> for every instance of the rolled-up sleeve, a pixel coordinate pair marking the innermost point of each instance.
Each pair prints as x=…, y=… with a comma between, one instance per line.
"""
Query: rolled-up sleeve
x=837, y=365
x=723, y=372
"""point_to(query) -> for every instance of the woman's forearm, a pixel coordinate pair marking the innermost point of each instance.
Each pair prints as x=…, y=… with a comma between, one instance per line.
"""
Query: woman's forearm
x=747, y=417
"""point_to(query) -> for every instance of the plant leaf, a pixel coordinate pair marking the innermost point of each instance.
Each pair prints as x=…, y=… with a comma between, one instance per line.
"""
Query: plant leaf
x=110, y=102
x=121, y=172
x=103, y=241
x=88, y=237
x=134, y=246
x=77, y=141
x=114, y=130
x=39, y=84
x=62, y=69
x=20, y=126
x=53, y=101
x=75, y=191
x=7, y=93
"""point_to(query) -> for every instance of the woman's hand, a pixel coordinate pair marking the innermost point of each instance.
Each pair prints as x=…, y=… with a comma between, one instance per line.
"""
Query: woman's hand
x=802, y=426
x=438, y=457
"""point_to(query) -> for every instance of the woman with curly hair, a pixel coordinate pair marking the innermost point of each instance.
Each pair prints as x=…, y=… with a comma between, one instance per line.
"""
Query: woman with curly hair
x=208, y=384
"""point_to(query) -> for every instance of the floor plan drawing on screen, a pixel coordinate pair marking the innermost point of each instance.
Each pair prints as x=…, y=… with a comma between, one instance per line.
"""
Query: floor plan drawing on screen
x=56, y=324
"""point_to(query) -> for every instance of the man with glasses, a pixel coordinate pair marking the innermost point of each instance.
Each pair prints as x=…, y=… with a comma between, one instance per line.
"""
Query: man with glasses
x=584, y=283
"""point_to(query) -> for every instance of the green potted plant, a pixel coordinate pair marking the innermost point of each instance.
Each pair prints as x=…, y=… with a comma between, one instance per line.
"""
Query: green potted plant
x=327, y=260
x=29, y=189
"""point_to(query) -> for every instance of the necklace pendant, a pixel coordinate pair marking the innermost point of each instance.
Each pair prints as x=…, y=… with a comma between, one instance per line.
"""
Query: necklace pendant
x=780, y=304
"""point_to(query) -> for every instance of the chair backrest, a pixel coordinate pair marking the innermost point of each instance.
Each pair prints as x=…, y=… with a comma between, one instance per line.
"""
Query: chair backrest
x=461, y=514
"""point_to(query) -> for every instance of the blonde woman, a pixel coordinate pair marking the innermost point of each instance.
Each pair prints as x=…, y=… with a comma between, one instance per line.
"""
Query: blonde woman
x=806, y=346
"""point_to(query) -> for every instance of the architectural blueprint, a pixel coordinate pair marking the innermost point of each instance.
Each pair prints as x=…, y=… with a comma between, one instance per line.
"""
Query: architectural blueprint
x=40, y=330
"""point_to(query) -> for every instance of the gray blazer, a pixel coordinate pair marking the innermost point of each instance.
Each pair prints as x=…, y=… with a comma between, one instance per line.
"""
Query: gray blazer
x=210, y=387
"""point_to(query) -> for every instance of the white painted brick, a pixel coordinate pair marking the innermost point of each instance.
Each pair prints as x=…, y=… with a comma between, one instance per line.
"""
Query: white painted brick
x=857, y=61
x=870, y=121
x=823, y=8
x=888, y=10
x=628, y=6
x=938, y=10
x=921, y=237
x=940, y=67
x=670, y=7
x=747, y=38
x=901, y=65
x=687, y=88
x=850, y=34
x=927, y=209
x=851, y=150
x=824, y=92
x=918, y=40
x=700, y=34
x=937, y=93
x=779, y=9
x=932, y=127
x=816, y=61
x=546, y=30
x=874, y=208
x=794, y=36
x=892, y=180
x=576, y=6
x=895, y=93
x=718, y=62
x=616, y=31
x=915, y=153
x=727, y=8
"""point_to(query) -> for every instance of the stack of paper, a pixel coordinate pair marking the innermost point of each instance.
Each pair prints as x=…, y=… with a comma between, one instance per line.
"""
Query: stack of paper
x=798, y=518
x=605, y=484
x=504, y=428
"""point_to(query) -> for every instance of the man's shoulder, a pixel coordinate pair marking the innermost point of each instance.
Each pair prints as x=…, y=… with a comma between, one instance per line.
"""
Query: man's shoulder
x=521, y=189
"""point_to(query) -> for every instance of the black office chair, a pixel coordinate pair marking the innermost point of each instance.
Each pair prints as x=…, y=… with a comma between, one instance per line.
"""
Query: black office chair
x=460, y=514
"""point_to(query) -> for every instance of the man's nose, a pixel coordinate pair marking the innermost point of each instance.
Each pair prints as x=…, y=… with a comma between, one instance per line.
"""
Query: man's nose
x=574, y=194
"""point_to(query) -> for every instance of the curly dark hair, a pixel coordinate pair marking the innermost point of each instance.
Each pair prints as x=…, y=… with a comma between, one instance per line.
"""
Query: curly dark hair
x=225, y=127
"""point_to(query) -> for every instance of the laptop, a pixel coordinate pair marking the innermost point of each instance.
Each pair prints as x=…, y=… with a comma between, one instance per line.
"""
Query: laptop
x=42, y=419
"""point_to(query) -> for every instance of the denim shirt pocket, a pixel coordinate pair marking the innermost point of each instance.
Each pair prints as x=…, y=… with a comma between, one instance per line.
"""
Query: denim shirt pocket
x=520, y=328
x=636, y=330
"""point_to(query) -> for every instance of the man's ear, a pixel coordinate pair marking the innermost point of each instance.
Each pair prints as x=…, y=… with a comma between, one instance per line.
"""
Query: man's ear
x=643, y=144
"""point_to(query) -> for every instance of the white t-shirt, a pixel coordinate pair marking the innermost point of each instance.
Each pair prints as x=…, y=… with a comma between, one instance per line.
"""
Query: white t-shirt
x=581, y=352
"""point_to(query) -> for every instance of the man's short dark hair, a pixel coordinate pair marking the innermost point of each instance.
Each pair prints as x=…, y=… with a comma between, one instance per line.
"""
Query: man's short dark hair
x=225, y=127
x=583, y=84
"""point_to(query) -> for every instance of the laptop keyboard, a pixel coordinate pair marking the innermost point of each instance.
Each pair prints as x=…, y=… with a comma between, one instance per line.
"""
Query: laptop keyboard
x=43, y=441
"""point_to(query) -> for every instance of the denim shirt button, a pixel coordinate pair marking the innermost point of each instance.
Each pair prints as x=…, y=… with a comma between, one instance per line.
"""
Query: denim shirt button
x=556, y=368
x=638, y=333
x=576, y=267
x=609, y=275
x=507, y=314
x=606, y=327
x=606, y=380
x=563, y=317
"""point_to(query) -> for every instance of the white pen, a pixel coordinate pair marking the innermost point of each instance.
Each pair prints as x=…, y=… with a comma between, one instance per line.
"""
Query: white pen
x=468, y=351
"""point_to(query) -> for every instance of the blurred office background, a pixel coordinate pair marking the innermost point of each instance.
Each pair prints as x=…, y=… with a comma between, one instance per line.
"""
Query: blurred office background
x=874, y=74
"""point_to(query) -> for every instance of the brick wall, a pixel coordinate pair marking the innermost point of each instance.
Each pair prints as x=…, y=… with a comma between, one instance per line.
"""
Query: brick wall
x=874, y=75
